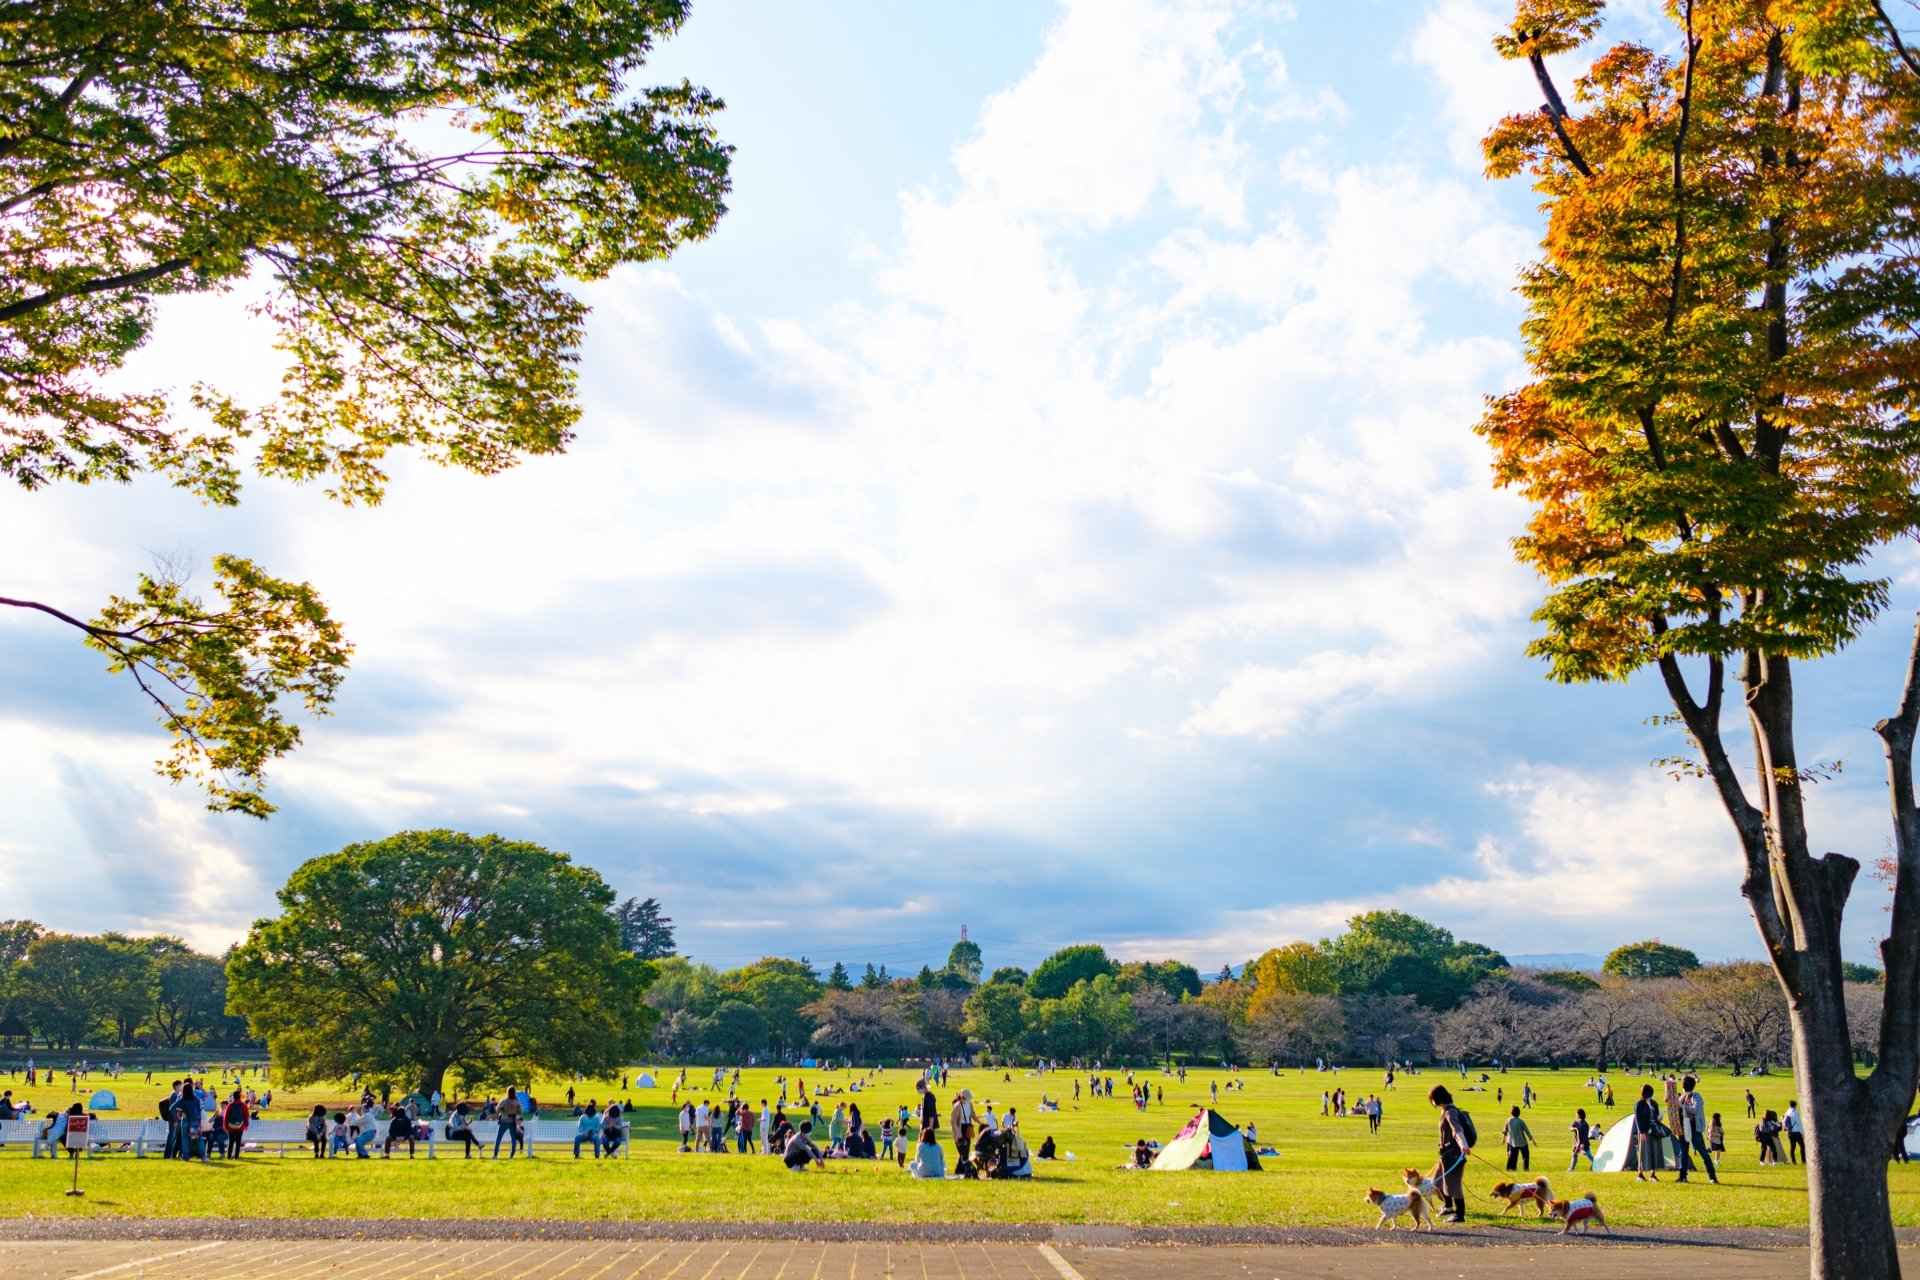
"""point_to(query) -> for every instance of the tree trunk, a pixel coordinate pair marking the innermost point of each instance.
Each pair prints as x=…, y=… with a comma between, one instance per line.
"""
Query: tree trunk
x=433, y=1076
x=1850, y=1221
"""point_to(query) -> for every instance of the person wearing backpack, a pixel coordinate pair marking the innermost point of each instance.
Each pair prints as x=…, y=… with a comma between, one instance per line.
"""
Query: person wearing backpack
x=1457, y=1138
x=233, y=1124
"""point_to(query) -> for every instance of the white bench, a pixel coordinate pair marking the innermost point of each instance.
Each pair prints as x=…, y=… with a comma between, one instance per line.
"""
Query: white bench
x=552, y=1133
x=136, y=1134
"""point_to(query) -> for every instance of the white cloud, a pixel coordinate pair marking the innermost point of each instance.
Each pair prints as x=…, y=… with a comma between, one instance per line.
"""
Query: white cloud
x=1138, y=456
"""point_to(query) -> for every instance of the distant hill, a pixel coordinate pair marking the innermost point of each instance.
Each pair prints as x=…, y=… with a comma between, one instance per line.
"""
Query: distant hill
x=1578, y=960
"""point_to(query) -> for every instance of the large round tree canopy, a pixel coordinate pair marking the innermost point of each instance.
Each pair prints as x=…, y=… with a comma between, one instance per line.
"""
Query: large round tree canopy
x=436, y=951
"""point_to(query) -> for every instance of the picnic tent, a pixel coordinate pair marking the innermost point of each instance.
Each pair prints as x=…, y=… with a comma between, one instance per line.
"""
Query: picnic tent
x=103, y=1100
x=1210, y=1141
x=1617, y=1152
x=645, y=1081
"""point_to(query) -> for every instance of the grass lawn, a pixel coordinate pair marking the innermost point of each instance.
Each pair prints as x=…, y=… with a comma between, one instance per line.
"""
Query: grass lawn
x=1324, y=1165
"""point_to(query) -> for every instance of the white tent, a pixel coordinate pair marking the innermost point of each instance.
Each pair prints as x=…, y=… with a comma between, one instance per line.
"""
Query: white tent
x=1617, y=1152
x=645, y=1081
x=1209, y=1141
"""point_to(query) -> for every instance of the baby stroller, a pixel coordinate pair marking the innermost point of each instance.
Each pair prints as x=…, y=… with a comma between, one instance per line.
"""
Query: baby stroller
x=989, y=1149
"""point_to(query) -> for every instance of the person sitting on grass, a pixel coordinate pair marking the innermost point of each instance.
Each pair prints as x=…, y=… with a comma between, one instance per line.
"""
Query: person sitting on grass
x=929, y=1161
x=1142, y=1156
x=801, y=1151
x=612, y=1129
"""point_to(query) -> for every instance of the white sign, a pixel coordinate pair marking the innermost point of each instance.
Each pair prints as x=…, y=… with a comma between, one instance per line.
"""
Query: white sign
x=77, y=1136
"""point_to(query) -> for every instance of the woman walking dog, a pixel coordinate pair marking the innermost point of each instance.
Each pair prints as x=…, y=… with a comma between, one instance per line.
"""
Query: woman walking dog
x=1456, y=1144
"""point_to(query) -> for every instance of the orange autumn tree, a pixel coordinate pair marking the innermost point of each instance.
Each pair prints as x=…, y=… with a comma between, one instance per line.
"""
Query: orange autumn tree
x=1718, y=434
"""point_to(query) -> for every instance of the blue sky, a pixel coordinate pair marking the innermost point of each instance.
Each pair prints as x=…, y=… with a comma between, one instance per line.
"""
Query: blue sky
x=1048, y=504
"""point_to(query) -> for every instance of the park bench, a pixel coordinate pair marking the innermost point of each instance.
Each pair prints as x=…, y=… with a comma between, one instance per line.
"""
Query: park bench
x=551, y=1133
x=102, y=1136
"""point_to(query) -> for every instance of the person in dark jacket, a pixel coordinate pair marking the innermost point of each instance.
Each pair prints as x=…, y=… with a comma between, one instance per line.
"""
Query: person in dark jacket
x=1646, y=1135
x=1454, y=1150
x=190, y=1113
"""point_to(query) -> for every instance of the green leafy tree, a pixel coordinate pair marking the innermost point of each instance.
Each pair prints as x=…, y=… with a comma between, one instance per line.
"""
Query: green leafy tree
x=874, y=978
x=1059, y=972
x=1091, y=1019
x=415, y=277
x=737, y=1029
x=838, y=979
x=781, y=989
x=1567, y=980
x=1719, y=431
x=432, y=952
x=1650, y=959
x=1176, y=979
x=190, y=996
x=1854, y=972
x=15, y=937
x=965, y=959
x=1393, y=953
x=132, y=982
x=644, y=930
x=993, y=1015
x=1008, y=974
x=65, y=986
x=685, y=986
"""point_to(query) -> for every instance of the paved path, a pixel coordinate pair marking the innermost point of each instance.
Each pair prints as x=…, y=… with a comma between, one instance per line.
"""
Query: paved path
x=308, y=1259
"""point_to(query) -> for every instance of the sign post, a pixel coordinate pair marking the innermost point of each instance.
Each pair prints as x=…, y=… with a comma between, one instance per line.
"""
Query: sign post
x=78, y=1138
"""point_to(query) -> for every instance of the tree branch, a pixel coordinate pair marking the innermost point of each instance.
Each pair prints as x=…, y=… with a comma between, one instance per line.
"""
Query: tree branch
x=1893, y=33
x=125, y=280
x=1555, y=110
x=1680, y=178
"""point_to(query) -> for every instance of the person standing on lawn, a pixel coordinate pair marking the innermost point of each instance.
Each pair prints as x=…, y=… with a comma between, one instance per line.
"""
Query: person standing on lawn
x=1676, y=1131
x=1693, y=1130
x=1646, y=1135
x=1519, y=1140
x=1582, y=1144
x=1796, y=1139
x=508, y=1116
x=1455, y=1146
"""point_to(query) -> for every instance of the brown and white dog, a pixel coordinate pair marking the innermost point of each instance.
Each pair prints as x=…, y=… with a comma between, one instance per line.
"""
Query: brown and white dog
x=1584, y=1213
x=1418, y=1181
x=1391, y=1207
x=1535, y=1193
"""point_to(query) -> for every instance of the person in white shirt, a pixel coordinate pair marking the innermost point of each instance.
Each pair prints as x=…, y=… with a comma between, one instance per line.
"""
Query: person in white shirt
x=702, y=1126
x=766, y=1128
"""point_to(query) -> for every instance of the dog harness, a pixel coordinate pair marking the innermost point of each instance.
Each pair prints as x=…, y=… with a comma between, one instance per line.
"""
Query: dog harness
x=1579, y=1211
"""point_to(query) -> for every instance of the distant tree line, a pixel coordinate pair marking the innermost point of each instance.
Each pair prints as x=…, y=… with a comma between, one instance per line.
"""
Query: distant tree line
x=1390, y=987
x=111, y=990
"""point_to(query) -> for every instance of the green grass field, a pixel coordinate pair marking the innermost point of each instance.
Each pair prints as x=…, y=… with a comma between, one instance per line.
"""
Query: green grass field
x=1324, y=1165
